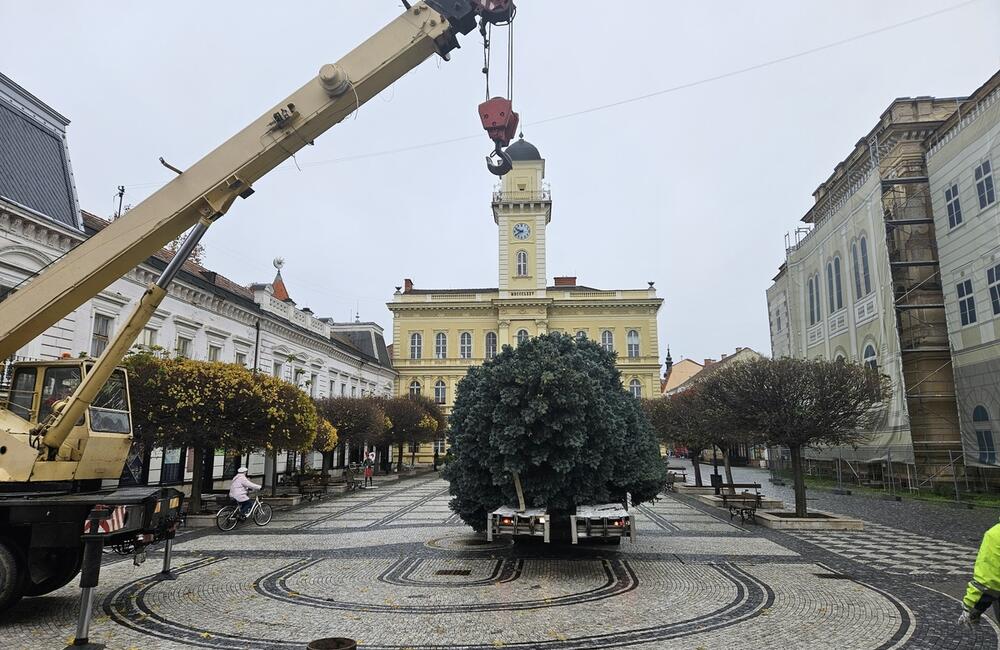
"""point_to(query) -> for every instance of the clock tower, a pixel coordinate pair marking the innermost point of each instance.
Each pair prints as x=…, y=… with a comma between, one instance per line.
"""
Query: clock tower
x=522, y=208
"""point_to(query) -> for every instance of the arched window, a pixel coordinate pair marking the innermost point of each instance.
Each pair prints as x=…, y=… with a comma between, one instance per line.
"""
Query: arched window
x=608, y=341
x=414, y=388
x=416, y=345
x=522, y=336
x=870, y=358
x=635, y=387
x=857, y=271
x=632, y=339
x=522, y=263
x=581, y=335
x=984, y=435
x=440, y=392
x=491, y=345
x=865, y=271
x=837, y=287
x=812, y=302
x=441, y=346
x=465, y=345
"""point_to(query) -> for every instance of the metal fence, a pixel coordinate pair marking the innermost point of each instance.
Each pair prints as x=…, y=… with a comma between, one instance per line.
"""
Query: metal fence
x=893, y=470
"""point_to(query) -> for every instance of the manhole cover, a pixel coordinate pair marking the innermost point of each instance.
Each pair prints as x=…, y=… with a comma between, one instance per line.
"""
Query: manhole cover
x=453, y=572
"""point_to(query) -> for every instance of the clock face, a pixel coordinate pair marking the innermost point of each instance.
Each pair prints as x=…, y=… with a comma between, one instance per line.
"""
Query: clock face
x=522, y=231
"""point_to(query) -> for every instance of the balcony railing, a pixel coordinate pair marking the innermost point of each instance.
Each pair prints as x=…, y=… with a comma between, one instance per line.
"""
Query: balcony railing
x=522, y=197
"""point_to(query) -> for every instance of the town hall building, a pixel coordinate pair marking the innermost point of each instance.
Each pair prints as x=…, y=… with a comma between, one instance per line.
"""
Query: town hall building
x=439, y=333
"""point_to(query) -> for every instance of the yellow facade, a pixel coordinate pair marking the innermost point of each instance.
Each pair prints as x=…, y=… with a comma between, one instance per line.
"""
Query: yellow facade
x=439, y=333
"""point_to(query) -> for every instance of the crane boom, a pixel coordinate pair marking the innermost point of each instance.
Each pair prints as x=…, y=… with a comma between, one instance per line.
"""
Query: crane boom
x=208, y=188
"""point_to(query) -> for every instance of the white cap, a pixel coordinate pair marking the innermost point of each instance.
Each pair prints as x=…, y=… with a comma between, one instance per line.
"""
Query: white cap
x=242, y=470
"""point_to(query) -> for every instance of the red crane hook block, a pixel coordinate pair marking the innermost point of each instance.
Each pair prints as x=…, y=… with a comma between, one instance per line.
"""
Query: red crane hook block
x=499, y=120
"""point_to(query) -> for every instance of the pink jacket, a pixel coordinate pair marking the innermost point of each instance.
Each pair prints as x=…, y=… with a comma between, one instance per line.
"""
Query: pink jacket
x=239, y=486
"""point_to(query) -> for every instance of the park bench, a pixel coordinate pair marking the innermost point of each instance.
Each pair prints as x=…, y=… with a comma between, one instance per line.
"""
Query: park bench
x=743, y=503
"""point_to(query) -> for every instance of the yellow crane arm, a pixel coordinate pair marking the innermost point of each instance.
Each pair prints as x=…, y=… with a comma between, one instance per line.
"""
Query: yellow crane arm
x=207, y=189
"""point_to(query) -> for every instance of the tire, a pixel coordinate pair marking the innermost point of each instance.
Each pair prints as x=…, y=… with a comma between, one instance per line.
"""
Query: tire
x=12, y=574
x=226, y=519
x=60, y=567
x=262, y=515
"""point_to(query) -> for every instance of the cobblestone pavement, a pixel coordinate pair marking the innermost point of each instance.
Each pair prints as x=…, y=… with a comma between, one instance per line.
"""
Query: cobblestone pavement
x=392, y=568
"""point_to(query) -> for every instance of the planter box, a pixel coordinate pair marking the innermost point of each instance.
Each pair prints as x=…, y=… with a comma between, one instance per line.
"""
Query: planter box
x=766, y=503
x=684, y=488
x=200, y=521
x=817, y=520
x=283, y=500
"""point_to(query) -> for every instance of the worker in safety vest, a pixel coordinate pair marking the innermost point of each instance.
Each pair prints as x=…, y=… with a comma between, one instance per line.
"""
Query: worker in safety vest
x=984, y=589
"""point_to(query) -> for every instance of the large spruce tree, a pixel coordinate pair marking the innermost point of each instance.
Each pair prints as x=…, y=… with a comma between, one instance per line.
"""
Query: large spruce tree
x=554, y=411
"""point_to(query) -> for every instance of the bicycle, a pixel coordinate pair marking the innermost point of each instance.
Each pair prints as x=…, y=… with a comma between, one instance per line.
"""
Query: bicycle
x=229, y=516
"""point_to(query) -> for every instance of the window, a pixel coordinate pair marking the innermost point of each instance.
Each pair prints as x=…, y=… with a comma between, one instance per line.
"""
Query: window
x=837, y=289
x=984, y=184
x=857, y=271
x=491, y=345
x=953, y=205
x=984, y=435
x=865, y=271
x=414, y=448
x=439, y=445
x=779, y=323
x=440, y=392
x=102, y=332
x=22, y=392
x=59, y=384
x=147, y=338
x=870, y=358
x=333, y=387
x=441, y=346
x=109, y=411
x=815, y=310
x=241, y=360
x=966, y=302
x=608, y=341
x=522, y=264
x=343, y=390
x=183, y=348
x=522, y=336
x=635, y=387
x=465, y=345
x=277, y=369
x=313, y=380
x=632, y=339
x=354, y=391
x=214, y=352
x=993, y=278
x=414, y=388
x=416, y=345
x=581, y=335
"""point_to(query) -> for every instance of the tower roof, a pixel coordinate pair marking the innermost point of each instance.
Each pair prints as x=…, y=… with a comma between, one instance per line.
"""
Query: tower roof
x=523, y=150
x=280, y=292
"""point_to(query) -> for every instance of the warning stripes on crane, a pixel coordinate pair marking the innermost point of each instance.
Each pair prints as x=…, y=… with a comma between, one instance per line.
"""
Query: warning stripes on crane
x=115, y=520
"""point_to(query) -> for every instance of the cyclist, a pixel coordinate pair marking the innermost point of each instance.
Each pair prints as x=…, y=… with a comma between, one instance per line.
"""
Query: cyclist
x=238, y=491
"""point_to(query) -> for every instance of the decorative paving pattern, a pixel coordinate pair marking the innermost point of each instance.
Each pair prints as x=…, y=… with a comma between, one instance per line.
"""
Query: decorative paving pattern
x=391, y=569
x=895, y=551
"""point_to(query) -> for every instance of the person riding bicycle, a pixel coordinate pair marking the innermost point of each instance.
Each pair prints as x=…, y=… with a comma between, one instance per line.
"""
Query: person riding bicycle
x=238, y=491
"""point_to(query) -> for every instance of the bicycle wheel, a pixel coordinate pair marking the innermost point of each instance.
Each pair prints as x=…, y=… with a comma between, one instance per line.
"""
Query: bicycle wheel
x=226, y=519
x=262, y=515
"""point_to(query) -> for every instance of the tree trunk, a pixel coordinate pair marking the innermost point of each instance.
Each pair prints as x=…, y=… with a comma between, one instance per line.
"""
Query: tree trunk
x=695, y=458
x=800, y=480
x=399, y=463
x=274, y=472
x=413, y=455
x=196, y=473
x=729, y=469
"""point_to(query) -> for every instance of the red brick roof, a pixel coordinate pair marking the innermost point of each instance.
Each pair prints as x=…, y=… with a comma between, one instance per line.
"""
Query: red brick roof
x=280, y=292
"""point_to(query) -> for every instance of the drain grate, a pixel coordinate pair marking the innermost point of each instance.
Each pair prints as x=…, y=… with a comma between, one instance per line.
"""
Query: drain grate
x=453, y=572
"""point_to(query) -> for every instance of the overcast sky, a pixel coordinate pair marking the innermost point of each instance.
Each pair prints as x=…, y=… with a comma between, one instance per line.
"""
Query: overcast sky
x=693, y=189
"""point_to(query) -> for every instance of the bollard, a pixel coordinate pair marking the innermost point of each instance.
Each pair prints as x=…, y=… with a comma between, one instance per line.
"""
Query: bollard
x=168, y=550
x=954, y=475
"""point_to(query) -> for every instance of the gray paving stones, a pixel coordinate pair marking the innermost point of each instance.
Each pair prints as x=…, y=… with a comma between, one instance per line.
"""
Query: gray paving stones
x=394, y=569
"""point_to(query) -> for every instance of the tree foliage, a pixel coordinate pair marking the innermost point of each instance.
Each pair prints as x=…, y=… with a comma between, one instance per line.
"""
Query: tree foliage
x=554, y=411
x=357, y=420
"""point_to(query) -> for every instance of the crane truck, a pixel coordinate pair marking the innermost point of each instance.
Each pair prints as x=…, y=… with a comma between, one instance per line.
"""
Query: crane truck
x=65, y=429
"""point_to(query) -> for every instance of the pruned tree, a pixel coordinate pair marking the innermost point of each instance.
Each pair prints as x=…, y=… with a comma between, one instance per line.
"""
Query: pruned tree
x=357, y=420
x=678, y=419
x=554, y=412
x=798, y=403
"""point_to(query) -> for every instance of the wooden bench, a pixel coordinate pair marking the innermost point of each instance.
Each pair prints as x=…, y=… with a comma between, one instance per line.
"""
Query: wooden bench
x=744, y=503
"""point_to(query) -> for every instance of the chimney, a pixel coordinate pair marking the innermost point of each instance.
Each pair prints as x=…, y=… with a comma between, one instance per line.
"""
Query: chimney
x=407, y=285
x=566, y=281
x=708, y=362
x=724, y=355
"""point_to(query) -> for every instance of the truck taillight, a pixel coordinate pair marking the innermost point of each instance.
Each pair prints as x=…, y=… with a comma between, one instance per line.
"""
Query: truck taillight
x=506, y=521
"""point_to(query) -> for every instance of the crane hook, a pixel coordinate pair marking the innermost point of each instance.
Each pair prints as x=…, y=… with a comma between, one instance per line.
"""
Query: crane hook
x=498, y=161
